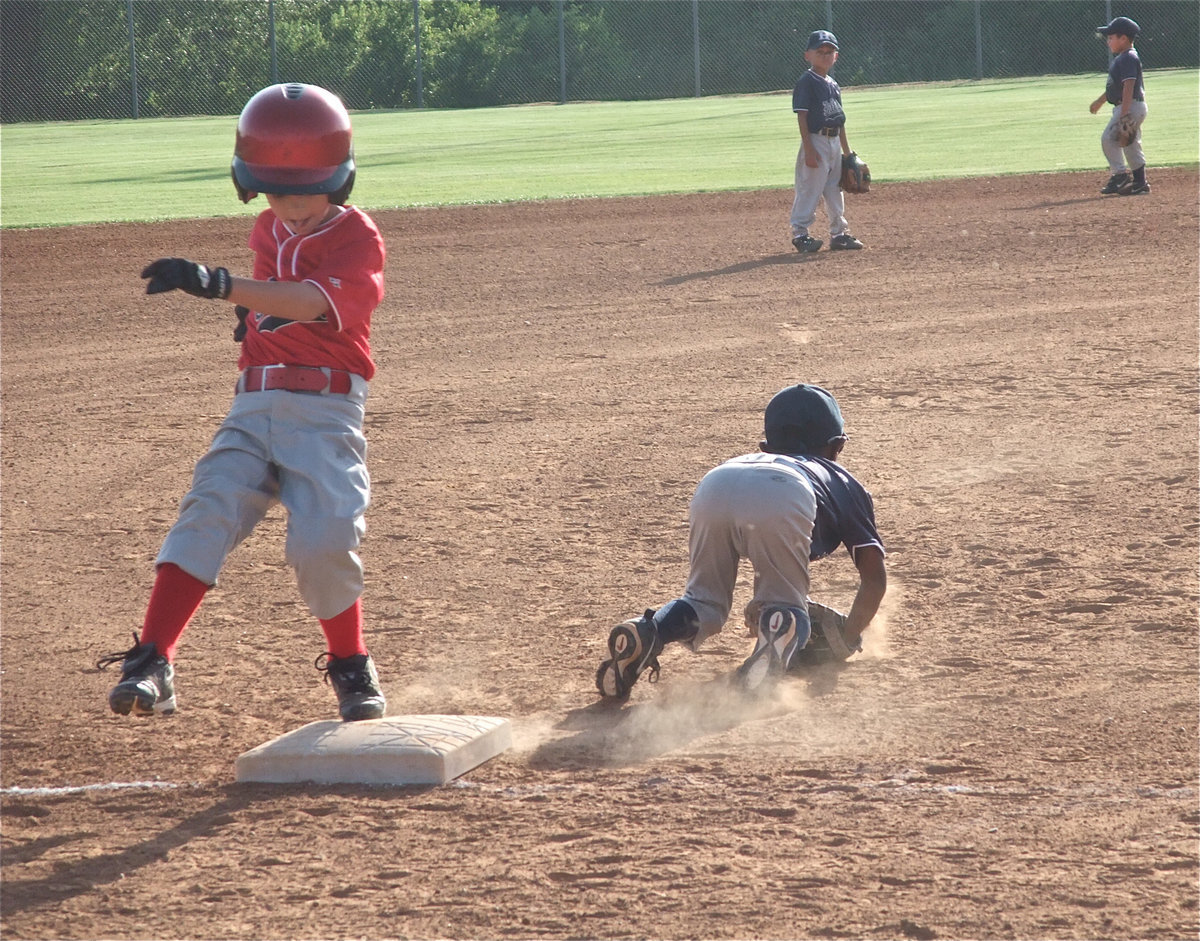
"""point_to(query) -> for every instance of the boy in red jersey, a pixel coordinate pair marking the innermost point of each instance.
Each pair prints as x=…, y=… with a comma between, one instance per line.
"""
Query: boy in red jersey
x=294, y=433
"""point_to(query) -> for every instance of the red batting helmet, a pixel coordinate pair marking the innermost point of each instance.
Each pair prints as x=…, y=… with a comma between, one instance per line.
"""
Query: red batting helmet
x=293, y=138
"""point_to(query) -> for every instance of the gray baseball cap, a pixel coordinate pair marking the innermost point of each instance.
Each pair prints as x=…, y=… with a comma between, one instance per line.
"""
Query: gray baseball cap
x=801, y=419
x=1120, y=26
x=821, y=37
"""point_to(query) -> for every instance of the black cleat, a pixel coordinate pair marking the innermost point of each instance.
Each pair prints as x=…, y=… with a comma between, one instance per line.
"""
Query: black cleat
x=844, y=242
x=147, y=684
x=1114, y=184
x=633, y=648
x=779, y=637
x=356, y=683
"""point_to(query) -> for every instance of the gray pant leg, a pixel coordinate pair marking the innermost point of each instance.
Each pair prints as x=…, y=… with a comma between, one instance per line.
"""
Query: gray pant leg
x=808, y=196
x=1131, y=157
x=816, y=183
x=835, y=198
x=325, y=487
x=754, y=511
x=233, y=487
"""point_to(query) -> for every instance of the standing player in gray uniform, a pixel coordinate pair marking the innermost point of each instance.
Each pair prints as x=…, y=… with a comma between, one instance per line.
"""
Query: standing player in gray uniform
x=1125, y=90
x=780, y=508
x=817, y=102
x=294, y=433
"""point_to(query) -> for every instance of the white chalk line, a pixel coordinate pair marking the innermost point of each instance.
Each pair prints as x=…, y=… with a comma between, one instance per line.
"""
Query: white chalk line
x=79, y=789
x=897, y=785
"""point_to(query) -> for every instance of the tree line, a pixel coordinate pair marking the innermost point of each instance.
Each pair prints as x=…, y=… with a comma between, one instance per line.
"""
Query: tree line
x=86, y=59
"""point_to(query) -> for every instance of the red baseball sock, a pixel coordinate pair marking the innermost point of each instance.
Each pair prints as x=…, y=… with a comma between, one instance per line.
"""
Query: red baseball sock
x=174, y=599
x=343, y=632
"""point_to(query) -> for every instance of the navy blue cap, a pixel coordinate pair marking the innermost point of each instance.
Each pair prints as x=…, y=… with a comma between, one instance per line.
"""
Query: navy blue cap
x=802, y=419
x=1120, y=26
x=821, y=37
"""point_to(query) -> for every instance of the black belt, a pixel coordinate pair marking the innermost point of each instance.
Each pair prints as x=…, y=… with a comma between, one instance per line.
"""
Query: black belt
x=294, y=379
x=829, y=131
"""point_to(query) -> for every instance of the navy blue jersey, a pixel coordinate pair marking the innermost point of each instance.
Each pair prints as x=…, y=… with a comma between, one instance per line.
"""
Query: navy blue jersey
x=1125, y=66
x=821, y=97
x=845, y=510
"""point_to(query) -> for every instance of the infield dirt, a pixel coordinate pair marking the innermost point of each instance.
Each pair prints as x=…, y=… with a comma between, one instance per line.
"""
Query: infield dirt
x=1013, y=756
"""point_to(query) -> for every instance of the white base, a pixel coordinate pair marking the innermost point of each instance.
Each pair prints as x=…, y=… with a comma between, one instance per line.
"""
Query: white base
x=391, y=750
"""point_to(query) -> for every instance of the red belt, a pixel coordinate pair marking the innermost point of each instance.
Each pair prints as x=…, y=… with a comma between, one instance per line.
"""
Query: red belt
x=294, y=379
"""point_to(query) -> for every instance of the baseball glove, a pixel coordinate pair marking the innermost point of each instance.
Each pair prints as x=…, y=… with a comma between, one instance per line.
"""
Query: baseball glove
x=1126, y=129
x=856, y=175
x=828, y=641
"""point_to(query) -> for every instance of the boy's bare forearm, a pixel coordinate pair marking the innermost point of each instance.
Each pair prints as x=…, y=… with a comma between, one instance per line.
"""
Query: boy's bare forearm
x=872, y=586
x=292, y=300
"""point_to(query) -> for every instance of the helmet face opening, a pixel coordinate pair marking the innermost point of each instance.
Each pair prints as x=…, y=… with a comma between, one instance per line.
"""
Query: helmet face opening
x=294, y=138
x=260, y=178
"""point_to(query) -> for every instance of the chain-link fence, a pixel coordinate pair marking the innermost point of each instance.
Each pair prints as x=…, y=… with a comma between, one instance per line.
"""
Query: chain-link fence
x=88, y=59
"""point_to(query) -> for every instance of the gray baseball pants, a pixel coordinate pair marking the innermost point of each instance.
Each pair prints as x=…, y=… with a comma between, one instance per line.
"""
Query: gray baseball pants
x=305, y=451
x=752, y=507
x=1122, y=158
x=820, y=182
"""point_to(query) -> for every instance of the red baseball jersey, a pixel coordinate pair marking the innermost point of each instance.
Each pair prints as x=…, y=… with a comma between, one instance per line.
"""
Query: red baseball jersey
x=344, y=260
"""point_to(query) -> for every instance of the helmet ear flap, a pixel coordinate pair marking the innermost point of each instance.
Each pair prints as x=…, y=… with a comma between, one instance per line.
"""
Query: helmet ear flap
x=244, y=194
x=339, y=197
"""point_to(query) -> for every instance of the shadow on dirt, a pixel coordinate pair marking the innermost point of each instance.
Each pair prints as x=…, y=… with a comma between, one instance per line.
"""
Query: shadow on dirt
x=1061, y=202
x=92, y=872
x=85, y=875
x=789, y=258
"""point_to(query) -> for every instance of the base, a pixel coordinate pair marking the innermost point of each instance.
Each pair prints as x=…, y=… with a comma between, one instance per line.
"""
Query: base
x=392, y=750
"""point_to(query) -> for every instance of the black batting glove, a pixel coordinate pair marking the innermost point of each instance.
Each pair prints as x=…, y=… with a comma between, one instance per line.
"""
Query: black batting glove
x=179, y=274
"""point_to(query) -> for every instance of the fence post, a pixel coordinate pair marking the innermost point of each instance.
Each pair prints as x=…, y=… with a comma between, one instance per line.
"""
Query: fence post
x=271, y=41
x=829, y=26
x=1108, y=19
x=132, y=58
x=696, y=43
x=978, y=42
x=562, y=56
x=417, y=40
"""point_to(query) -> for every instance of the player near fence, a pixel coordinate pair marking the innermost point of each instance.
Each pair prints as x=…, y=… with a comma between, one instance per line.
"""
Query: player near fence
x=294, y=432
x=780, y=508
x=817, y=103
x=1125, y=90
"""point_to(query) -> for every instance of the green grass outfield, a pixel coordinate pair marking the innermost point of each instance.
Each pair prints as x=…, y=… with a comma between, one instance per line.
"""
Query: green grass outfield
x=108, y=171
